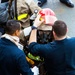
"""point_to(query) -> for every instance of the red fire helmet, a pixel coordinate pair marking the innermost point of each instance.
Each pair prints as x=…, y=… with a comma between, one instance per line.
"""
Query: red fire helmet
x=48, y=15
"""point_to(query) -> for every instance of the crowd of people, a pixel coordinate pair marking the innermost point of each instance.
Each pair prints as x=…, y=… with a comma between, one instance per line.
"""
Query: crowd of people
x=57, y=49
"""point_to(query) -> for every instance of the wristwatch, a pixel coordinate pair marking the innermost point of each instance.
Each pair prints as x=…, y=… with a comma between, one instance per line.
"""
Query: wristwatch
x=33, y=27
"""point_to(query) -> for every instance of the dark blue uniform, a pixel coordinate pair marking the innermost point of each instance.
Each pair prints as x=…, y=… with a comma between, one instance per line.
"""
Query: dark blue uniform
x=12, y=59
x=59, y=56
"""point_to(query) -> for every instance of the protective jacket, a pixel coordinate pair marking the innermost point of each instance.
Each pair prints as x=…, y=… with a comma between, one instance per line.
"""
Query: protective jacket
x=26, y=7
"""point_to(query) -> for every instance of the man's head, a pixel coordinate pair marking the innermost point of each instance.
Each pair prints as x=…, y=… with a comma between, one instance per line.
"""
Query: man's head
x=59, y=29
x=13, y=27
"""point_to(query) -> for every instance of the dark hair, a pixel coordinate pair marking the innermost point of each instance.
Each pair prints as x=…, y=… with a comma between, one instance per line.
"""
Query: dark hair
x=60, y=28
x=12, y=26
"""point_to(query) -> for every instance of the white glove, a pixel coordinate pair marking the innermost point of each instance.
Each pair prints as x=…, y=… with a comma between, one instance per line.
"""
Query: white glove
x=27, y=31
x=35, y=70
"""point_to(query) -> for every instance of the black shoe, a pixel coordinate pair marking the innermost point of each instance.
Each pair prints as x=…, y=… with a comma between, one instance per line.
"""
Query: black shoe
x=68, y=3
x=41, y=3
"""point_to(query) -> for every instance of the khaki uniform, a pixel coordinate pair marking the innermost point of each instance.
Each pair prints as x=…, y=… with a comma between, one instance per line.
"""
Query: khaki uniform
x=28, y=7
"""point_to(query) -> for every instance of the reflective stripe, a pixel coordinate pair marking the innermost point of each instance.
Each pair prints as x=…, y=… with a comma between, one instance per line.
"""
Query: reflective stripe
x=22, y=16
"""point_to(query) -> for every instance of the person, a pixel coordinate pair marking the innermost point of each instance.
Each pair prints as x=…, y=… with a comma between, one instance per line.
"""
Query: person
x=58, y=55
x=66, y=2
x=48, y=15
x=44, y=35
x=12, y=58
x=26, y=7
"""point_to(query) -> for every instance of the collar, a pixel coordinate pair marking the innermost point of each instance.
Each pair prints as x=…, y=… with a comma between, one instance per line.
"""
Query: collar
x=13, y=39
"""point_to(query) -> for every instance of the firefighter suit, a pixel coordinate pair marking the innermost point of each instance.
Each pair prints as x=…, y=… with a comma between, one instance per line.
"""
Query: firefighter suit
x=25, y=8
